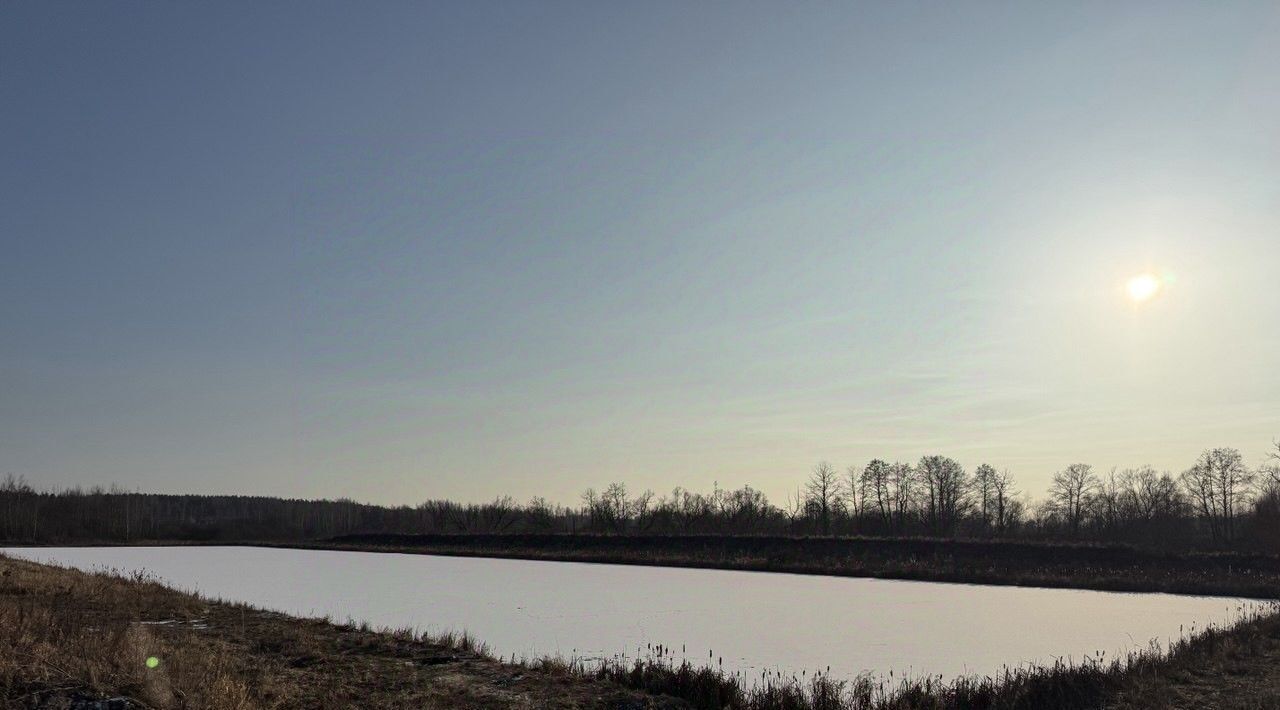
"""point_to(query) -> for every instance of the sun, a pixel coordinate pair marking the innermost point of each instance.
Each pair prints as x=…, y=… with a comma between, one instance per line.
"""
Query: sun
x=1143, y=287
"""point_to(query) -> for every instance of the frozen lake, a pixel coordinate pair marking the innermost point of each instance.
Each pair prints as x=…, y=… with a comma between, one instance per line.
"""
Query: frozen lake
x=752, y=620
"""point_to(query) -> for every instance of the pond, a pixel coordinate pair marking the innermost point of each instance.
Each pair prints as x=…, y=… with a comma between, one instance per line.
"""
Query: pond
x=746, y=621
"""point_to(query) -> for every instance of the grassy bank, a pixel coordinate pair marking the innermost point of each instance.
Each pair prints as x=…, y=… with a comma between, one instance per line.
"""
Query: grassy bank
x=1229, y=669
x=1101, y=567
x=74, y=640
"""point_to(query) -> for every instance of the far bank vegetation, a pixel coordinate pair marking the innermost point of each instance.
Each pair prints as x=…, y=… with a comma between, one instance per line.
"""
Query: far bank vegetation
x=1219, y=501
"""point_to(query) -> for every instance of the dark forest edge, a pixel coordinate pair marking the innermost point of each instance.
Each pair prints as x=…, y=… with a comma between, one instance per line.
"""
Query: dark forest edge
x=1218, y=503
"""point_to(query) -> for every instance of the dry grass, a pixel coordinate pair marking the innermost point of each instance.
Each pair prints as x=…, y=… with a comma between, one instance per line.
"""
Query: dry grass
x=68, y=638
x=1235, y=668
x=70, y=635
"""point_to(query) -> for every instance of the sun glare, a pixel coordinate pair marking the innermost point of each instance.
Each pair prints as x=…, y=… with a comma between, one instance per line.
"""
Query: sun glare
x=1142, y=287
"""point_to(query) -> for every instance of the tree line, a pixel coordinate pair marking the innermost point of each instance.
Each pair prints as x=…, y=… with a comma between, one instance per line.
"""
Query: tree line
x=1219, y=501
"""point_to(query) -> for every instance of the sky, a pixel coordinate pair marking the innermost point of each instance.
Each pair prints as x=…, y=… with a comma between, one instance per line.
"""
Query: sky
x=401, y=251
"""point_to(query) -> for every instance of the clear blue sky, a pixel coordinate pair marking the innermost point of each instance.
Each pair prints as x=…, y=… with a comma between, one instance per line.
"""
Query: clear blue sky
x=407, y=250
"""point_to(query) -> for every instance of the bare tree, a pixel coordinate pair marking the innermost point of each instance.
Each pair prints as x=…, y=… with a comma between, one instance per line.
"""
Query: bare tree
x=609, y=510
x=876, y=483
x=1266, y=509
x=902, y=490
x=1271, y=467
x=984, y=477
x=855, y=502
x=795, y=509
x=641, y=509
x=499, y=515
x=691, y=510
x=1003, y=500
x=1220, y=485
x=1071, y=491
x=1149, y=495
x=540, y=514
x=744, y=509
x=944, y=490
x=823, y=491
x=1110, y=503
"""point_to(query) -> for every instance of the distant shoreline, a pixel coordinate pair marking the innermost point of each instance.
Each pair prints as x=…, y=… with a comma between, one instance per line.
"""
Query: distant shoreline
x=1112, y=568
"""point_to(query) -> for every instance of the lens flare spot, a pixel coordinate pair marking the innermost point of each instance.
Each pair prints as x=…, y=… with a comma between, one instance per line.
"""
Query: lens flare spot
x=1143, y=287
x=153, y=662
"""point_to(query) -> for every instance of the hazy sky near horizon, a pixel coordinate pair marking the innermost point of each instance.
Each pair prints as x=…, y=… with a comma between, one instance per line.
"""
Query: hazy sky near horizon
x=399, y=251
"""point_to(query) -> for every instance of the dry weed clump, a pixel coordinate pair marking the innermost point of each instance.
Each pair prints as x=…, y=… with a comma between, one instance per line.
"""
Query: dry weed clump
x=68, y=634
